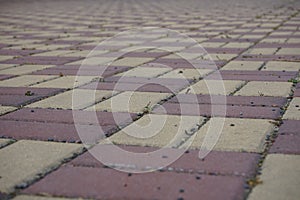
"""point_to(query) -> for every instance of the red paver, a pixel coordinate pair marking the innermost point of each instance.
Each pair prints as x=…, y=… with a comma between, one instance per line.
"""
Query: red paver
x=225, y=163
x=287, y=144
x=231, y=111
x=89, y=183
x=23, y=95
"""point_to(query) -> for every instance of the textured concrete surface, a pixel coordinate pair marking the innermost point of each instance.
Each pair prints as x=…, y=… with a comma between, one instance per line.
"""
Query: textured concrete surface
x=49, y=50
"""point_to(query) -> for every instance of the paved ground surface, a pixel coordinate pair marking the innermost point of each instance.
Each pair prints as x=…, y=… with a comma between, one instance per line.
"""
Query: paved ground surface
x=254, y=44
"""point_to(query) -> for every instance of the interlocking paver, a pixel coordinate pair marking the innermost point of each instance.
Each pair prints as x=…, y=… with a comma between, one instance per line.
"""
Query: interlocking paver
x=65, y=100
x=156, y=130
x=280, y=178
x=31, y=197
x=31, y=161
x=25, y=80
x=130, y=102
x=66, y=82
x=158, y=185
x=259, y=88
x=45, y=46
x=281, y=66
x=237, y=135
x=243, y=65
x=215, y=87
x=293, y=111
x=145, y=72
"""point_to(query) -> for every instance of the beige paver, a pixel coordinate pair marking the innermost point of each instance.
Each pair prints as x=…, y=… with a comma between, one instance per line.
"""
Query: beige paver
x=282, y=66
x=237, y=134
x=2, y=58
x=262, y=51
x=293, y=111
x=64, y=100
x=260, y=88
x=280, y=178
x=32, y=158
x=214, y=87
x=6, y=109
x=288, y=51
x=243, y=65
x=66, y=82
x=25, y=80
x=93, y=61
x=24, y=69
x=187, y=73
x=238, y=45
x=145, y=72
x=131, y=61
x=130, y=102
x=157, y=130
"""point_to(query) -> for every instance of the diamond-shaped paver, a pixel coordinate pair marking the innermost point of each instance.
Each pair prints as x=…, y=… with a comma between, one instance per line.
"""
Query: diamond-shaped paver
x=217, y=87
x=32, y=158
x=260, y=88
x=65, y=100
x=293, y=111
x=236, y=134
x=157, y=130
x=130, y=102
x=280, y=178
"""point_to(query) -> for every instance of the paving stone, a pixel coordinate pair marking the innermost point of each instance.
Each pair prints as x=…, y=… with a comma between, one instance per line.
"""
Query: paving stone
x=290, y=127
x=215, y=86
x=6, y=109
x=30, y=161
x=258, y=88
x=156, y=130
x=281, y=66
x=293, y=111
x=187, y=73
x=42, y=60
x=230, y=100
x=131, y=61
x=237, y=134
x=286, y=144
x=24, y=69
x=262, y=51
x=236, y=111
x=20, y=96
x=280, y=178
x=25, y=80
x=49, y=131
x=253, y=75
x=66, y=82
x=158, y=185
x=243, y=65
x=130, y=102
x=67, y=116
x=187, y=162
x=145, y=72
x=65, y=100
x=288, y=51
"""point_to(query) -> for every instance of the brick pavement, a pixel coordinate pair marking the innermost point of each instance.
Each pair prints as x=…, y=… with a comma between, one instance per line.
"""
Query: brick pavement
x=253, y=45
